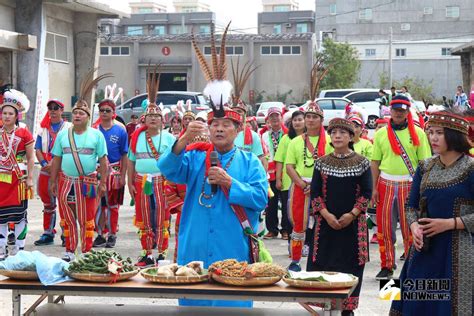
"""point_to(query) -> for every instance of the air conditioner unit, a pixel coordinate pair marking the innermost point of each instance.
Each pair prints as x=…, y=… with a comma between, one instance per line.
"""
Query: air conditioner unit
x=287, y=25
x=329, y=35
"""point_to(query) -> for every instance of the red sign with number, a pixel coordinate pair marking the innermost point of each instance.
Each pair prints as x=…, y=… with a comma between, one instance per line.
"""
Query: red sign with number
x=166, y=50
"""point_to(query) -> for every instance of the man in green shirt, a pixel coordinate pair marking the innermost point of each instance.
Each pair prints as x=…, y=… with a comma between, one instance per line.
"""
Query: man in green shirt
x=398, y=148
x=302, y=152
x=76, y=152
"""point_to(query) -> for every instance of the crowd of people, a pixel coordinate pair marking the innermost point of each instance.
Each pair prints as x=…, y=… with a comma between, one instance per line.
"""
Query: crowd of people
x=221, y=178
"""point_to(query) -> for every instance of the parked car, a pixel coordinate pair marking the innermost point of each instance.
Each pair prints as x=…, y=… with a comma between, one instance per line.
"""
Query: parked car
x=368, y=99
x=168, y=98
x=338, y=93
x=332, y=108
x=263, y=109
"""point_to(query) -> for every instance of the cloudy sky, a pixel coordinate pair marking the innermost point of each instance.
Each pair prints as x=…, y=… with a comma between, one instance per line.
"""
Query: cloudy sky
x=243, y=13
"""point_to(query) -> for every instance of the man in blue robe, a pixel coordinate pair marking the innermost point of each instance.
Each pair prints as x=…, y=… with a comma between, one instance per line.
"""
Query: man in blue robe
x=210, y=230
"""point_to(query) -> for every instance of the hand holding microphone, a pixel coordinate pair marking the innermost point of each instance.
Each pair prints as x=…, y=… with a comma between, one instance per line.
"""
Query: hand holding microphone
x=216, y=175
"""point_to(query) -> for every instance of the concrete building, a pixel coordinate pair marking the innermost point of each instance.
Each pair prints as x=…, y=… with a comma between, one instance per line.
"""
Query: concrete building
x=466, y=52
x=284, y=62
x=47, y=47
x=187, y=6
x=282, y=16
x=166, y=24
x=147, y=6
x=424, y=33
x=280, y=5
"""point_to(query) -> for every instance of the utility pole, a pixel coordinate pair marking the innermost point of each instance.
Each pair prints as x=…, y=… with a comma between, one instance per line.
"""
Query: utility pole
x=390, y=60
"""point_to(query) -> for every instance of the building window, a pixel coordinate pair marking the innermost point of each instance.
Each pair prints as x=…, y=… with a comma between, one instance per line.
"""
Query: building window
x=446, y=51
x=277, y=29
x=280, y=50
x=302, y=28
x=115, y=51
x=332, y=9
x=365, y=14
x=135, y=30
x=281, y=8
x=401, y=52
x=370, y=52
x=159, y=30
x=188, y=9
x=56, y=47
x=405, y=26
x=145, y=10
x=204, y=29
x=104, y=50
x=177, y=29
x=452, y=12
x=229, y=50
x=427, y=10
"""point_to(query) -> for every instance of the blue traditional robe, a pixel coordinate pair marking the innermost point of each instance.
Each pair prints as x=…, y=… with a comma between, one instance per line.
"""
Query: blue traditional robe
x=210, y=234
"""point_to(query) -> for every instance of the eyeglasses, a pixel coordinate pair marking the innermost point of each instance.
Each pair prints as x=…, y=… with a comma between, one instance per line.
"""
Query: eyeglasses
x=53, y=107
x=105, y=110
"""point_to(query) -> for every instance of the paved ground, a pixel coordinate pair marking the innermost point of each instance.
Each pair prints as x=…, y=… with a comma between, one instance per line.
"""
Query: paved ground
x=128, y=245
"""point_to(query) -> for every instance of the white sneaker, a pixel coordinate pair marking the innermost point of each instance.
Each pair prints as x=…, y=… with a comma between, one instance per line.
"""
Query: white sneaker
x=305, y=251
x=68, y=257
x=3, y=252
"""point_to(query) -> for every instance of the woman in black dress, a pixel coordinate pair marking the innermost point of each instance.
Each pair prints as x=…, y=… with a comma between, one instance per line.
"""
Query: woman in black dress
x=340, y=192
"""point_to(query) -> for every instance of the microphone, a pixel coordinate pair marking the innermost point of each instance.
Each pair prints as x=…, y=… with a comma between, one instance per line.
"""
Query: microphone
x=214, y=163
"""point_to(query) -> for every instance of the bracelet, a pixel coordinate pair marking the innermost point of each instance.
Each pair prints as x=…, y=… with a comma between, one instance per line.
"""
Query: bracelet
x=455, y=223
x=43, y=163
x=355, y=216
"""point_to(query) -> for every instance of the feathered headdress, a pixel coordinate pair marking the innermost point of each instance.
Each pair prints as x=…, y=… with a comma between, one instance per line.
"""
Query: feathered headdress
x=87, y=85
x=189, y=110
x=15, y=99
x=241, y=76
x=218, y=88
x=152, y=85
x=318, y=72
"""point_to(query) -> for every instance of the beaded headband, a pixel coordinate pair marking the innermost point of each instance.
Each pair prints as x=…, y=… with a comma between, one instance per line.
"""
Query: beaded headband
x=342, y=124
x=449, y=120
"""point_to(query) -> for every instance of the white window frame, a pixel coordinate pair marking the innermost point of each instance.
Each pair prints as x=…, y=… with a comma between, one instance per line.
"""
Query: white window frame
x=370, y=52
x=227, y=46
x=280, y=50
x=366, y=14
x=427, y=10
x=120, y=50
x=332, y=9
x=302, y=23
x=398, y=52
x=178, y=26
x=108, y=51
x=405, y=26
x=138, y=27
x=445, y=51
x=55, y=35
x=451, y=9
x=159, y=26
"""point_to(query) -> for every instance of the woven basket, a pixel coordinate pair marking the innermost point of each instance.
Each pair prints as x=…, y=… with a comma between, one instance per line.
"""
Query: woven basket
x=173, y=279
x=104, y=278
x=259, y=281
x=20, y=275
x=321, y=284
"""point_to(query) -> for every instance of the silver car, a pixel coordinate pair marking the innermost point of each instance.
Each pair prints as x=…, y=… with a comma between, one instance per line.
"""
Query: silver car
x=168, y=98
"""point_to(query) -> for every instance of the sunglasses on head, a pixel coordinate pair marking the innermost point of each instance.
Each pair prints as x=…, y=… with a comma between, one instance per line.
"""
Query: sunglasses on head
x=105, y=110
x=54, y=107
